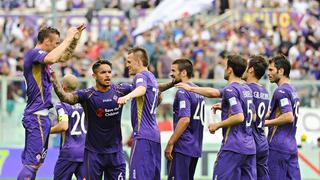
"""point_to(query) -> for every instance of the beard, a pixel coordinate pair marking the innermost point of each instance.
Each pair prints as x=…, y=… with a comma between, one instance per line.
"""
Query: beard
x=244, y=78
x=226, y=76
x=276, y=79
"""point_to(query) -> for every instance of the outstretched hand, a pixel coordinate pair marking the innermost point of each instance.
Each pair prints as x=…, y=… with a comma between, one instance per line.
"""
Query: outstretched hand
x=213, y=127
x=75, y=32
x=184, y=86
x=123, y=100
x=80, y=29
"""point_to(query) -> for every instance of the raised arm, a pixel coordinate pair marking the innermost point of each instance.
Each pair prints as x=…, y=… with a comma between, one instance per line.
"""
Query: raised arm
x=204, y=91
x=64, y=51
x=69, y=51
x=69, y=98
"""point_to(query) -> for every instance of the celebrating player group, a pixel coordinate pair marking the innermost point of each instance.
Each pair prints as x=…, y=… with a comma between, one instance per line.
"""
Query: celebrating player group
x=90, y=119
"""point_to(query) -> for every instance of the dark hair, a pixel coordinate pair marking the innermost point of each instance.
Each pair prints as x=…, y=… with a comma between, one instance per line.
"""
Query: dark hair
x=184, y=64
x=259, y=65
x=141, y=53
x=45, y=33
x=238, y=64
x=98, y=63
x=280, y=61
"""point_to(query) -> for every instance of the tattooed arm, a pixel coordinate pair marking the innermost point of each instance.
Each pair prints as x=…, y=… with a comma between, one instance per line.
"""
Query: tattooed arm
x=69, y=51
x=66, y=97
x=165, y=86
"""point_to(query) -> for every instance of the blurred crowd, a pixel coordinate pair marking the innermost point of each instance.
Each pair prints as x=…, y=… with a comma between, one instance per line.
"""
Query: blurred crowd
x=68, y=5
x=188, y=37
x=206, y=46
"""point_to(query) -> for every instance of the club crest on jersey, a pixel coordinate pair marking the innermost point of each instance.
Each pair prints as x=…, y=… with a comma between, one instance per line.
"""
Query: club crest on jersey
x=38, y=157
x=115, y=98
x=100, y=112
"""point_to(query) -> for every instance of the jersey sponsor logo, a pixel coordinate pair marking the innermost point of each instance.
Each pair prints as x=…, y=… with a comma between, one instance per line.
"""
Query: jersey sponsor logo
x=284, y=102
x=232, y=101
x=100, y=112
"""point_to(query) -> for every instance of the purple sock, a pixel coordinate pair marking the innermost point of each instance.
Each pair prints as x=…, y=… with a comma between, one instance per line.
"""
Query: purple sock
x=27, y=173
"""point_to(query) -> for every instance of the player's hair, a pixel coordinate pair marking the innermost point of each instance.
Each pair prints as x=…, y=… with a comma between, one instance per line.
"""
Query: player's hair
x=238, y=64
x=259, y=65
x=141, y=53
x=280, y=61
x=46, y=32
x=184, y=64
x=99, y=62
x=71, y=82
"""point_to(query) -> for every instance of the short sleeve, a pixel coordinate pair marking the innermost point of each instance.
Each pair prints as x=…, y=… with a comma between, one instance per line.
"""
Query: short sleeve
x=38, y=55
x=140, y=80
x=124, y=88
x=283, y=101
x=232, y=98
x=221, y=92
x=184, y=104
x=82, y=94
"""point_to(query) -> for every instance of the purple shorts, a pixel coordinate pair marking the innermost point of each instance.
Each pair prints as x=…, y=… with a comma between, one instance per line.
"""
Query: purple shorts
x=182, y=167
x=145, y=160
x=37, y=130
x=112, y=165
x=232, y=166
x=283, y=166
x=262, y=165
x=64, y=170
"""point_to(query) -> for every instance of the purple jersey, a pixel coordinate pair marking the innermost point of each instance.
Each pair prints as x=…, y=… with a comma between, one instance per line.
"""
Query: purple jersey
x=188, y=104
x=237, y=98
x=261, y=103
x=282, y=138
x=39, y=85
x=143, y=116
x=72, y=141
x=104, y=117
